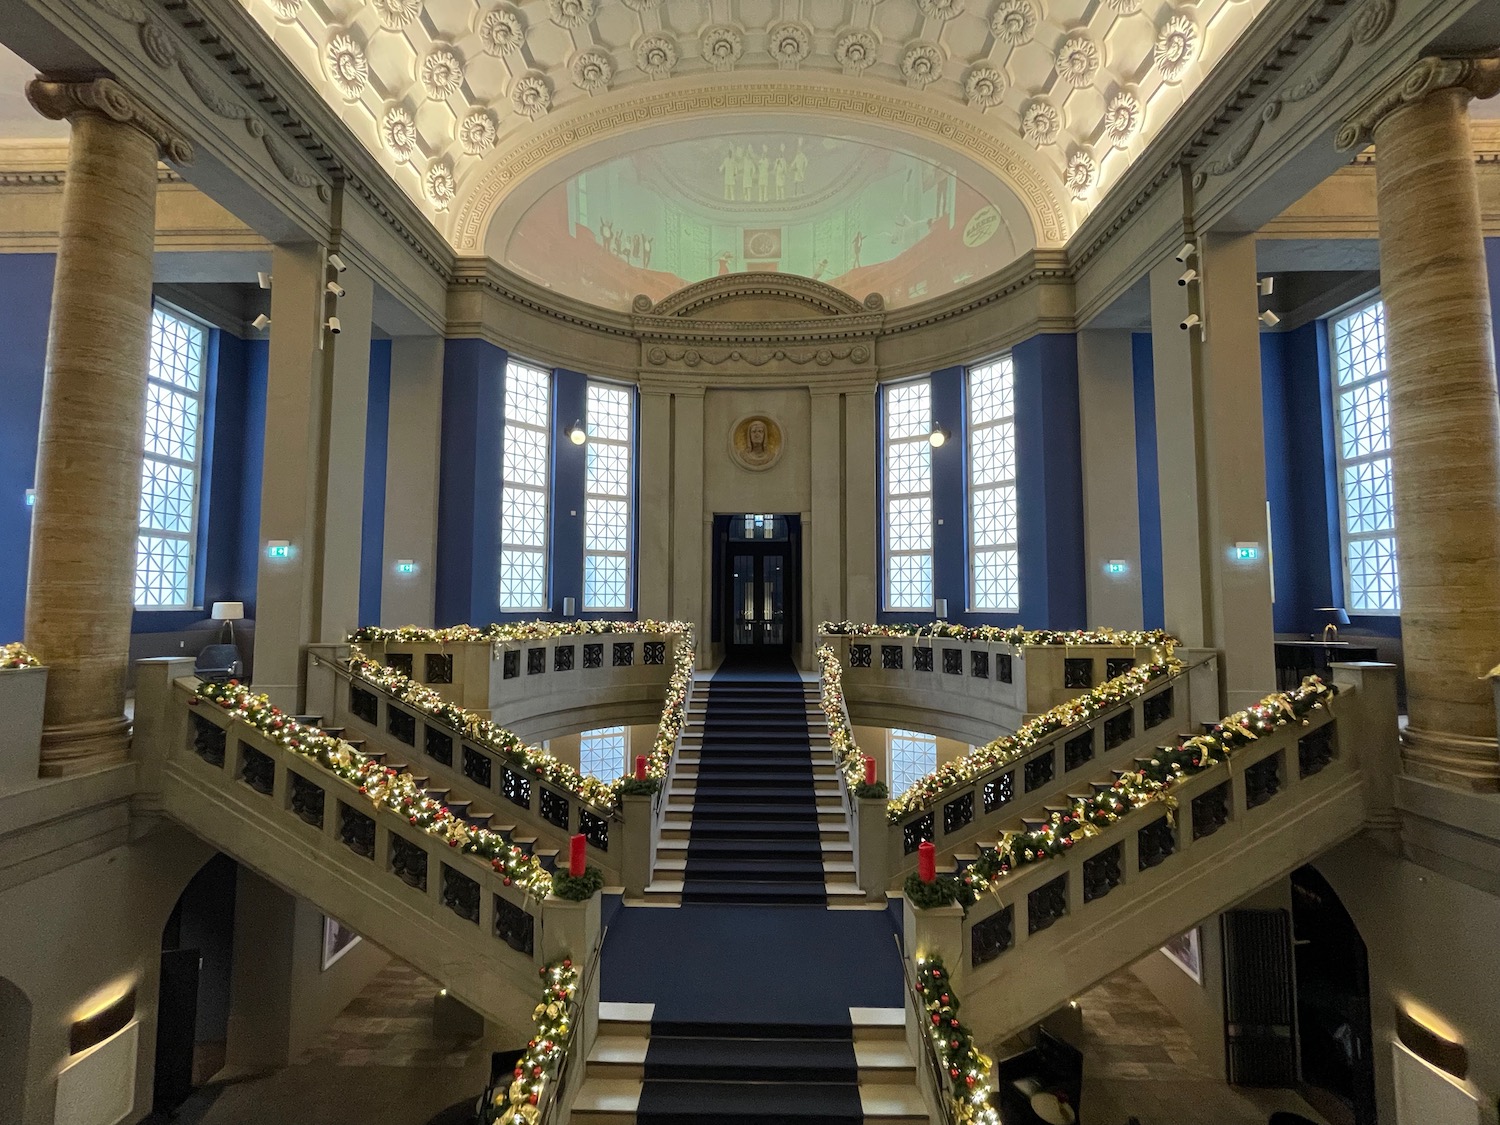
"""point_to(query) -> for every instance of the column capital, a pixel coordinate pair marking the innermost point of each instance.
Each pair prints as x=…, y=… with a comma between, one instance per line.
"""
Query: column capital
x=104, y=96
x=1479, y=77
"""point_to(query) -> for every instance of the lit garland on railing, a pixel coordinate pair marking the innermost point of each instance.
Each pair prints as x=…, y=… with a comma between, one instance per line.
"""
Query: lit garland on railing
x=479, y=730
x=1013, y=635
x=385, y=788
x=850, y=759
x=519, y=1102
x=1012, y=747
x=15, y=655
x=1168, y=768
x=968, y=1070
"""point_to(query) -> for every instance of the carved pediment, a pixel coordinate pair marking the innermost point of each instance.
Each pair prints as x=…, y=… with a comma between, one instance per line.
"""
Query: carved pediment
x=758, y=297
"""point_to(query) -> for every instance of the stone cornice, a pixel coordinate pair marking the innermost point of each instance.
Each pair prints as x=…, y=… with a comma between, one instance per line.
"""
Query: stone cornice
x=1479, y=77
x=1033, y=268
x=62, y=101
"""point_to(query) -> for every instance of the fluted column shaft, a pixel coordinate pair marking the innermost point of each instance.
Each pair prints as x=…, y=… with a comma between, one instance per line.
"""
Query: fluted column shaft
x=1445, y=420
x=79, y=595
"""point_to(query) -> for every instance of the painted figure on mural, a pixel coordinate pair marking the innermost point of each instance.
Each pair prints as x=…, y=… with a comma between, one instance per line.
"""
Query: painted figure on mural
x=724, y=259
x=799, y=169
x=728, y=167
x=859, y=240
x=747, y=173
x=780, y=173
x=763, y=173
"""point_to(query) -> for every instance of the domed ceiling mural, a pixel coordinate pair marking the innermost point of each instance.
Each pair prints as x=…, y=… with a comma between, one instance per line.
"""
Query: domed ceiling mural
x=865, y=218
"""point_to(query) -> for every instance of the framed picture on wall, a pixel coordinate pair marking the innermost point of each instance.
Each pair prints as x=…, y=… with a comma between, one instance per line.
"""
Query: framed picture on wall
x=1186, y=951
x=338, y=939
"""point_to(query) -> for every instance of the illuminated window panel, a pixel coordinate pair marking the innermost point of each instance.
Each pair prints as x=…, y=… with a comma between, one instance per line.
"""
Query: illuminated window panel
x=171, y=466
x=524, y=472
x=994, y=577
x=907, y=483
x=1363, y=413
x=608, y=493
x=601, y=753
x=913, y=756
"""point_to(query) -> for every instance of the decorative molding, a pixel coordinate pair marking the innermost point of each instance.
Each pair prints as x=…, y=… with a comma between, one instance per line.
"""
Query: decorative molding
x=858, y=354
x=61, y=101
x=824, y=299
x=1479, y=77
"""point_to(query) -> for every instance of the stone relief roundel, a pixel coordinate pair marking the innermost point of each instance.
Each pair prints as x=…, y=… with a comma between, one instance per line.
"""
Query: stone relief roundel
x=756, y=443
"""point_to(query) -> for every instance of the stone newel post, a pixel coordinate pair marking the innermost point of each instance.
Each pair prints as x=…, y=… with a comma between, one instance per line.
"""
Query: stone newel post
x=1445, y=420
x=80, y=591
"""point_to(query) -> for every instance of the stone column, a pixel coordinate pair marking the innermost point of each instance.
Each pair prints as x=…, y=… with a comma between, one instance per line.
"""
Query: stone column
x=411, y=479
x=80, y=595
x=1111, y=512
x=1445, y=422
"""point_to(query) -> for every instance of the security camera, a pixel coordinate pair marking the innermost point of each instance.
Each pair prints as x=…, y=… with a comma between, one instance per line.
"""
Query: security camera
x=264, y=278
x=334, y=326
x=1188, y=278
x=1187, y=251
x=1188, y=321
x=337, y=263
x=262, y=321
x=1266, y=285
x=1269, y=319
x=336, y=289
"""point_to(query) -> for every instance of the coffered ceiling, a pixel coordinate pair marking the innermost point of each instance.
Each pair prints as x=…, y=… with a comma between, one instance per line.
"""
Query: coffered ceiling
x=470, y=101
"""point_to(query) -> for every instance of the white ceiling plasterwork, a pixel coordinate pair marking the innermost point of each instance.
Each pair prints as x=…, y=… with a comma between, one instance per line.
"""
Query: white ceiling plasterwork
x=454, y=96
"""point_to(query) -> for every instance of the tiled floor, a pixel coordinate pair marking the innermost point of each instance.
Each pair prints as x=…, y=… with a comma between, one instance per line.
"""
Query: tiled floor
x=390, y=1024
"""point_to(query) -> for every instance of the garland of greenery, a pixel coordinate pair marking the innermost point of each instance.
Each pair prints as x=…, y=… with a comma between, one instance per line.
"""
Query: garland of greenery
x=968, y=1070
x=385, y=788
x=846, y=754
x=945, y=890
x=577, y=888
x=1167, y=769
x=875, y=791
x=632, y=786
x=508, y=744
x=16, y=655
x=552, y=1019
x=1012, y=635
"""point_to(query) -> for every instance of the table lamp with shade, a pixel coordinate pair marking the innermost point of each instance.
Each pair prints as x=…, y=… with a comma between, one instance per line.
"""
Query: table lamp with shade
x=229, y=613
x=1336, y=616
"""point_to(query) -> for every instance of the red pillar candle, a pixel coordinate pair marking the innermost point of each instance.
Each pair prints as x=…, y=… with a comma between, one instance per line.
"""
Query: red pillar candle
x=869, y=771
x=926, y=861
x=640, y=767
x=576, y=856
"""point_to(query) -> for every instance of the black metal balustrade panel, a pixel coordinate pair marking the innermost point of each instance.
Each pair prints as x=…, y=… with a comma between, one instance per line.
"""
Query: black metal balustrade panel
x=257, y=770
x=953, y=661
x=1155, y=842
x=992, y=936
x=554, y=808
x=1118, y=666
x=1210, y=811
x=510, y=664
x=1078, y=750
x=562, y=658
x=1041, y=769
x=1078, y=672
x=514, y=926
x=439, y=746
x=399, y=662
x=477, y=766
x=357, y=831
x=1119, y=729
x=1156, y=709
x=536, y=661
x=1263, y=780
x=979, y=665
x=1101, y=873
x=593, y=656
x=595, y=829
x=1046, y=904
x=915, y=831
x=402, y=726
x=516, y=787
x=958, y=812
x=891, y=658
x=439, y=667
x=363, y=705
x=999, y=791
x=460, y=894
x=921, y=660
x=1315, y=750
x=408, y=862
x=653, y=652
x=209, y=740
x=859, y=656
x=308, y=799
x=1005, y=668
x=624, y=654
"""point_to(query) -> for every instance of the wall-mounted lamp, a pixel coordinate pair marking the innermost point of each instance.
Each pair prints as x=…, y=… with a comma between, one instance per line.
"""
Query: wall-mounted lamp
x=1438, y=1047
x=1187, y=251
x=262, y=322
x=264, y=278
x=336, y=289
x=576, y=433
x=940, y=609
x=569, y=607
x=1269, y=319
x=1188, y=278
x=99, y=1025
x=337, y=263
x=938, y=438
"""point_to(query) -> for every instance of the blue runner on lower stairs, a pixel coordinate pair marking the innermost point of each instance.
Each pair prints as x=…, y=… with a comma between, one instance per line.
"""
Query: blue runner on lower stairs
x=754, y=836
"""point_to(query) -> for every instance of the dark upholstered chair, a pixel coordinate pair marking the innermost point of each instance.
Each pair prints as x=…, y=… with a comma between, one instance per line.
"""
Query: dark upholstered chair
x=1052, y=1065
x=218, y=662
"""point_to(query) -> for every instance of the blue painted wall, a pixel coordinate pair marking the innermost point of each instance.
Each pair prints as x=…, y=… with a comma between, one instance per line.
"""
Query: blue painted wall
x=25, y=303
x=468, y=553
x=569, y=472
x=1147, y=482
x=372, y=527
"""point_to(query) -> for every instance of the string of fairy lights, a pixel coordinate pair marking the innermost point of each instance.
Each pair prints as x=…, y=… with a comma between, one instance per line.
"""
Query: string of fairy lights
x=519, y=1101
x=16, y=655
x=1009, y=635
x=965, y=1066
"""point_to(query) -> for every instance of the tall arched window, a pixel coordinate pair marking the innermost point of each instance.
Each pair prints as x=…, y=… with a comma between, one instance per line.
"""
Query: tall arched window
x=524, y=487
x=908, y=495
x=607, y=492
x=994, y=575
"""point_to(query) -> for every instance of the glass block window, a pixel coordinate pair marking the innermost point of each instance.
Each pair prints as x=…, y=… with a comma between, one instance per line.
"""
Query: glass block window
x=994, y=582
x=608, y=478
x=1362, y=410
x=172, y=465
x=913, y=756
x=908, y=495
x=601, y=753
x=523, y=491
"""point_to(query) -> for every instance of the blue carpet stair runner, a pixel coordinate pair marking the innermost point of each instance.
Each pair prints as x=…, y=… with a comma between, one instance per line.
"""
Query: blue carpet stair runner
x=754, y=836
